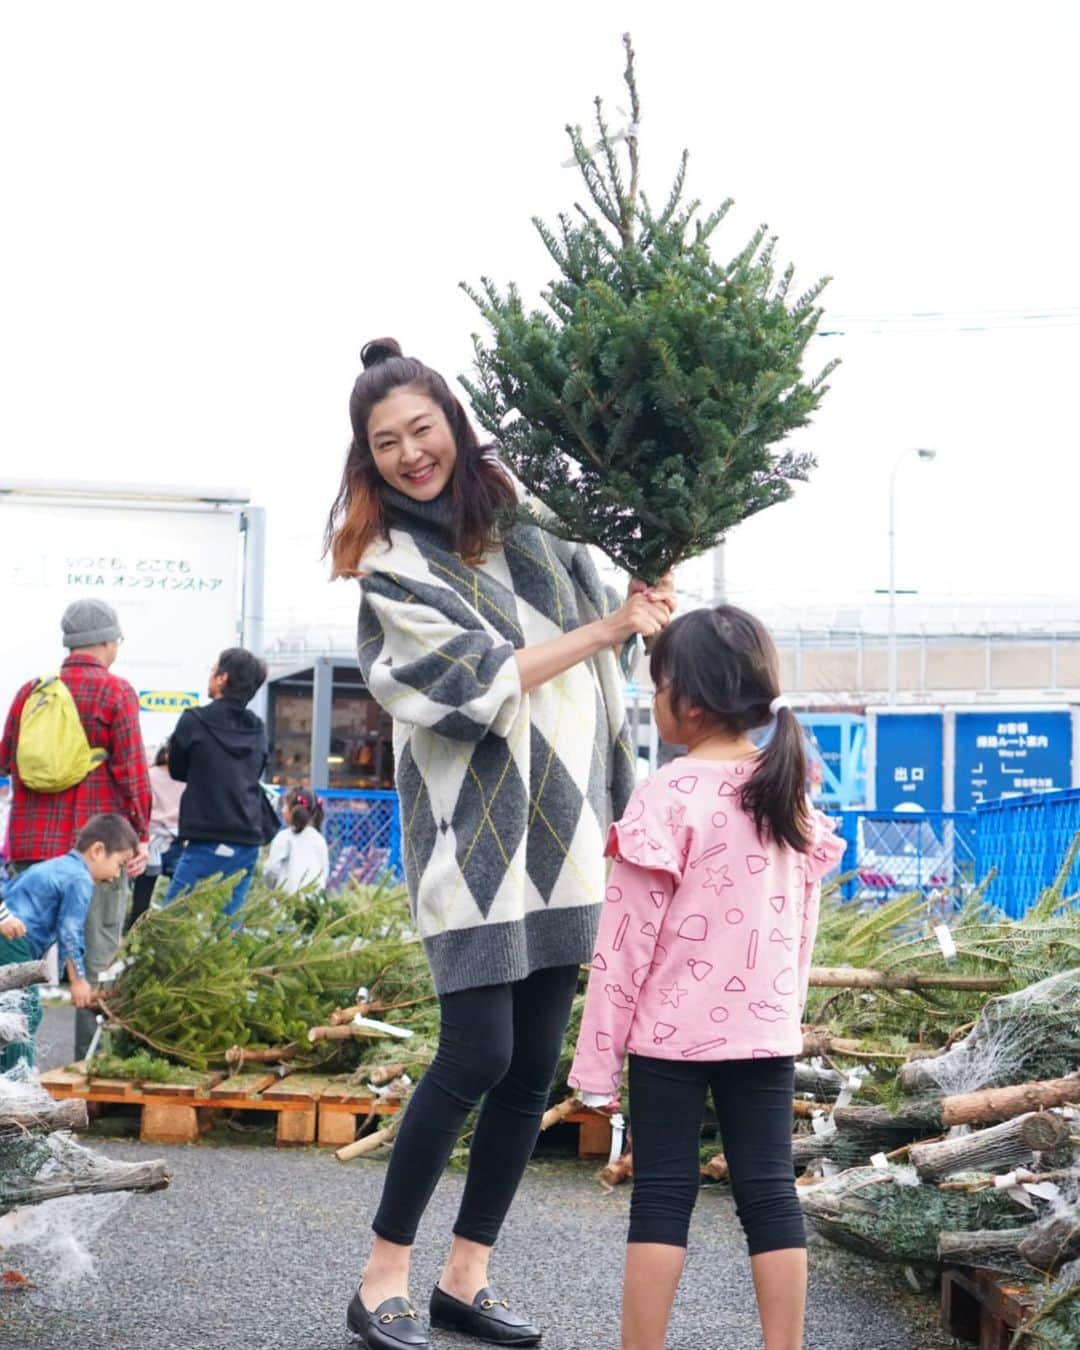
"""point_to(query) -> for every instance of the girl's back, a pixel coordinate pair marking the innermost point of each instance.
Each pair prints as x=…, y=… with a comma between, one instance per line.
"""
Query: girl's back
x=707, y=933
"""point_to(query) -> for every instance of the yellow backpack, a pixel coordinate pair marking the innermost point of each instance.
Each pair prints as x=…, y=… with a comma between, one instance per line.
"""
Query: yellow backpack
x=53, y=753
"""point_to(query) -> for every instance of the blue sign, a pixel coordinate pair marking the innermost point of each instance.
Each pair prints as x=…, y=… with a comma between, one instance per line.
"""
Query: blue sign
x=908, y=773
x=1009, y=754
x=837, y=750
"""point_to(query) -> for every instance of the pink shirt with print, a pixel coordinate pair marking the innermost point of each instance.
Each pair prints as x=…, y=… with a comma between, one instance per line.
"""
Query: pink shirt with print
x=707, y=932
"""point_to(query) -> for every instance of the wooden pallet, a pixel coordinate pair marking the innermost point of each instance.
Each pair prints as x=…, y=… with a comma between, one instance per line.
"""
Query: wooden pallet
x=979, y=1307
x=173, y=1113
x=594, y=1133
x=311, y=1108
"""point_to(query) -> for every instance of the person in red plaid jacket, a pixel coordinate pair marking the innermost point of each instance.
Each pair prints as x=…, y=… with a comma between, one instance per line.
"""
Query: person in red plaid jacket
x=45, y=824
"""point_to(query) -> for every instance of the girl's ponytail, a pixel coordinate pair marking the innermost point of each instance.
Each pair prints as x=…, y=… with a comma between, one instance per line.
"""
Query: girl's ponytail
x=304, y=809
x=775, y=797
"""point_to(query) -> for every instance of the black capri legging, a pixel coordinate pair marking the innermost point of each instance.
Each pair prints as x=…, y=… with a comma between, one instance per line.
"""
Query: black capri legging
x=752, y=1098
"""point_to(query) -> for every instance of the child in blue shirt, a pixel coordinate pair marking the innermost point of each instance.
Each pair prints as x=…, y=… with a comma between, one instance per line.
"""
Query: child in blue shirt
x=48, y=902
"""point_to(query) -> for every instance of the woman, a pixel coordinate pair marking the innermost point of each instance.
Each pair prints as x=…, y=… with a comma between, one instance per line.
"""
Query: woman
x=493, y=646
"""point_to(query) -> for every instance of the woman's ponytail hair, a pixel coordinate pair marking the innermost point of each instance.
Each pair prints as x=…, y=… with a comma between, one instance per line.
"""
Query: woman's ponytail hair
x=304, y=809
x=724, y=662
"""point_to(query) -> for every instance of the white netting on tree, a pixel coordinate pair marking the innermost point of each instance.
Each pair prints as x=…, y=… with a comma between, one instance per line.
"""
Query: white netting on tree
x=58, y=1232
x=1021, y=1037
x=14, y=1009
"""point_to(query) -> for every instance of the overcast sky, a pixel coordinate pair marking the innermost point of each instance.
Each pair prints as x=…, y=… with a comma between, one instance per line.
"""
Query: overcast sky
x=210, y=206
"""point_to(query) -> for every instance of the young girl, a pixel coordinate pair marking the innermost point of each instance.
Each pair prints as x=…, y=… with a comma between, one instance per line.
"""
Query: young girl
x=702, y=963
x=298, y=856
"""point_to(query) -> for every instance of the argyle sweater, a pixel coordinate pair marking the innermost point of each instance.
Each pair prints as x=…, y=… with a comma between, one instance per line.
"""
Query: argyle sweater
x=505, y=796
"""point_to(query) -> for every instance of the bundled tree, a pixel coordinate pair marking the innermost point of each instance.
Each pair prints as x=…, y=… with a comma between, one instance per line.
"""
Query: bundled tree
x=651, y=400
x=193, y=986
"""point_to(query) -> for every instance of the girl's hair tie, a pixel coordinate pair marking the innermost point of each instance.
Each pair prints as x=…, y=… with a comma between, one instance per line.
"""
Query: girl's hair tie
x=778, y=702
x=301, y=800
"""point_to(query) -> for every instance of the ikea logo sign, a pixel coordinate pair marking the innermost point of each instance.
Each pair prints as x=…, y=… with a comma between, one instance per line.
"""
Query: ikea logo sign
x=166, y=700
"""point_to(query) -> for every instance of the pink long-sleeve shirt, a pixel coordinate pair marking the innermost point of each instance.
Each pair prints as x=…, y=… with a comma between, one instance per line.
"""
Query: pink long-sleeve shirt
x=707, y=932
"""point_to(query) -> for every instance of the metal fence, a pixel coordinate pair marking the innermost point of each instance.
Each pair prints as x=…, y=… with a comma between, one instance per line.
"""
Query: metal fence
x=363, y=834
x=1026, y=839
x=892, y=852
x=362, y=830
x=942, y=853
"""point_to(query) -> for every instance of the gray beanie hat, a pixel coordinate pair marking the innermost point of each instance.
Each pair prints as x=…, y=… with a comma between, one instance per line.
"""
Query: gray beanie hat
x=88, y=622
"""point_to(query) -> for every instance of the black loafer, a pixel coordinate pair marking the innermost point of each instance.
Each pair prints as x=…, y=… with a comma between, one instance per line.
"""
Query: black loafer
x=394, y=1325
x=487, y=1318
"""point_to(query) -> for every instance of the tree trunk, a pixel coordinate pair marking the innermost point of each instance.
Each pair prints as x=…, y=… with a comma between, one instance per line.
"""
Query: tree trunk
x=821, y=1041
x=917, y=1075
x=853, y=977
x=716, y=1169
x=977, y=1108
x=615, y=1173
x=240, y=1055
x=345, y=1033
x=1004, y=1145
x=555, y=1114
x=998, y=1250
x=808, y=1148
x=23, y=974
x=385, y=1073
x=43, y=1116
x=341, y=1016
x=106, y=1175
x=825, y=1084
x=1049, y=1244
x=368, y=1144
x=805, y=1110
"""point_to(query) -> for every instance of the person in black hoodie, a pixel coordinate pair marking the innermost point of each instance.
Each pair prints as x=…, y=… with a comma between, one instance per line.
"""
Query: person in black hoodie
x=220, y=751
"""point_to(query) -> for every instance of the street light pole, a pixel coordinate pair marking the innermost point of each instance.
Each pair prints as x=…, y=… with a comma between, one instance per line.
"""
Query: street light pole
x=924, y=455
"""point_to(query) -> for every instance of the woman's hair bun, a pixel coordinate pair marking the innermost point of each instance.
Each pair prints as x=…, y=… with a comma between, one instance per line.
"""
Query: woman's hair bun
x=379, y=350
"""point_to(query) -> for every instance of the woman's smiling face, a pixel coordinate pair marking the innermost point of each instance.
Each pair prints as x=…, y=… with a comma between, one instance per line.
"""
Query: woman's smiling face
x=412, y=443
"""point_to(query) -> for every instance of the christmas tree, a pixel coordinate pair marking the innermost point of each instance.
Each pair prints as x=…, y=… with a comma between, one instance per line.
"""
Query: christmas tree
x=647, y=406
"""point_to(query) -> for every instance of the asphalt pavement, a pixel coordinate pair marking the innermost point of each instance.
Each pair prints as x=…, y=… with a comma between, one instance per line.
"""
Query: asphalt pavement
x=258, y=1247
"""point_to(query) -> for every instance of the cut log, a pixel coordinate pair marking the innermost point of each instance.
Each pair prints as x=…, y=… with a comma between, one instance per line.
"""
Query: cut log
x=978, y=1108
x=240, y=1055
x=1049, y=1244
x=1024, y=1176
x=385, y=1073
x=368, y=1144
x=804, y=1110
x=1004, y=1145
x=22, y=975
x=821, y=1041
x=615, y=1173
x=341, y=1016
x=853, y=977
x=918, y=1075
x=105, y=1175
x=998, y=1250
x=555, y=1114
x=45, y=1116
x=345, y=1033
x=825, y=1084
x=716, y=1169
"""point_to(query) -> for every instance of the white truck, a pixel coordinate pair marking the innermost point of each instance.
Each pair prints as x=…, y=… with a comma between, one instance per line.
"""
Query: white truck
x=183, y=567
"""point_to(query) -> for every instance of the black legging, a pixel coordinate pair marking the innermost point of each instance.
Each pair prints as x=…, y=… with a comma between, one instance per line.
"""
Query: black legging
x=752, y=1098
x=503, y=1040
